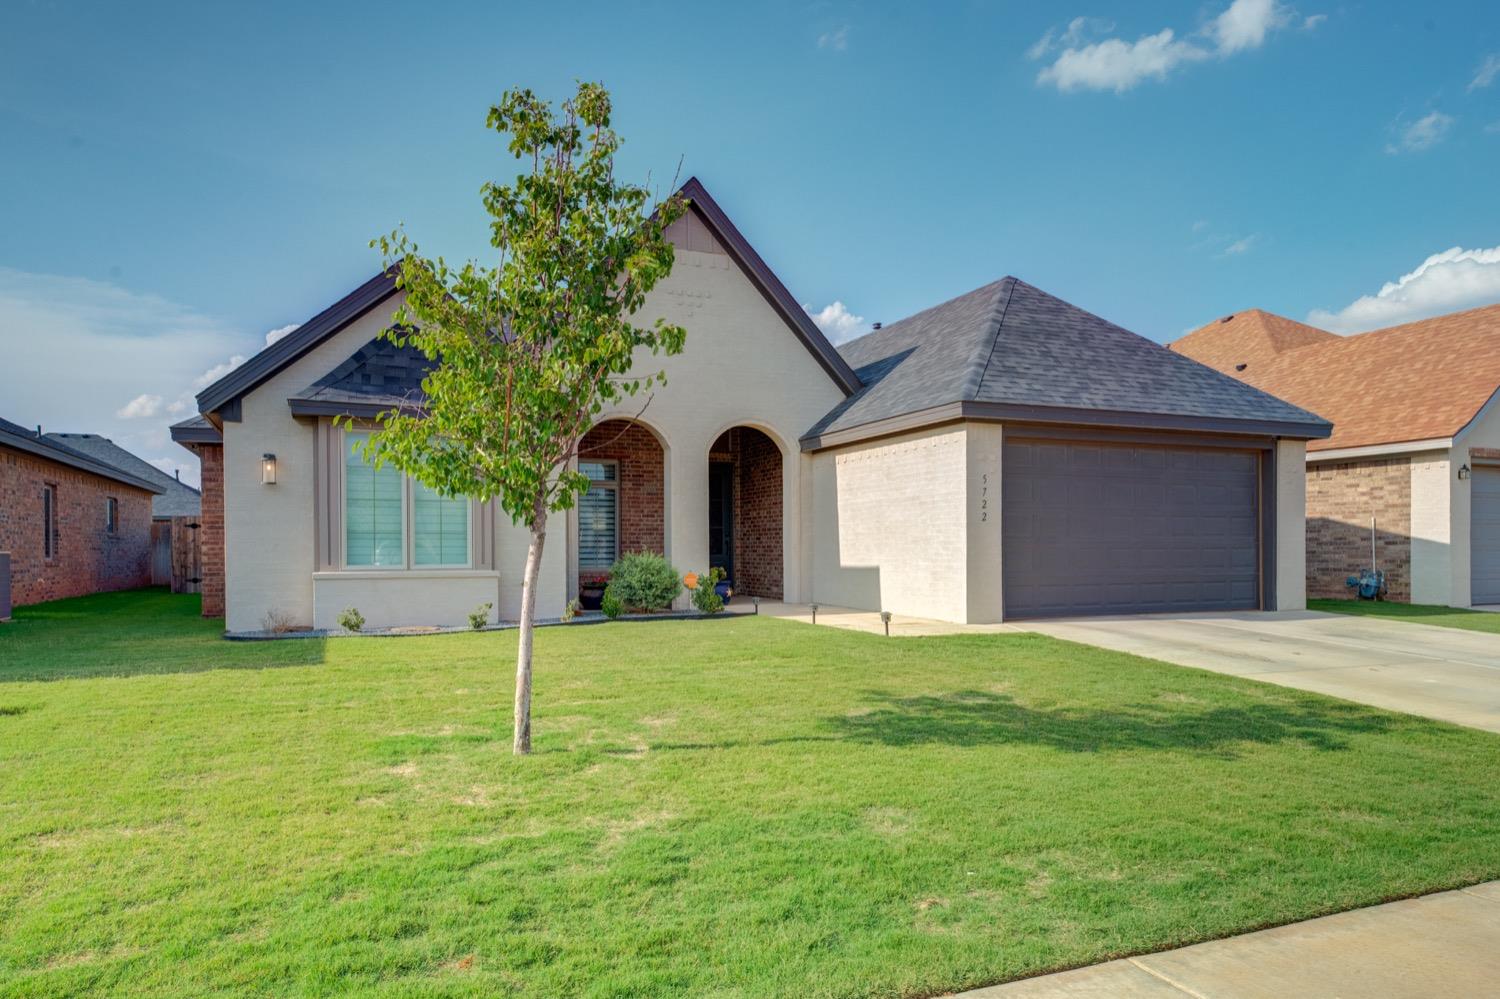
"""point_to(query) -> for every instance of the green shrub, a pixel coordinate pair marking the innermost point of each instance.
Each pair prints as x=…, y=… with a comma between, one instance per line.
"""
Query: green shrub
x=610, y=605
x=644, y=581
x=705, y=597
x=350, y=619
x=480, y=616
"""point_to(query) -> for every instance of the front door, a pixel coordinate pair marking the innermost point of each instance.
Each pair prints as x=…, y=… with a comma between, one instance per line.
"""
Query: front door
x=721, y=517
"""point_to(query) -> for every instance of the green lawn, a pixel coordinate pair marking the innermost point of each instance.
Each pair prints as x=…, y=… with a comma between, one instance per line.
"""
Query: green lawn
x=742, y=807
x=1444, y=617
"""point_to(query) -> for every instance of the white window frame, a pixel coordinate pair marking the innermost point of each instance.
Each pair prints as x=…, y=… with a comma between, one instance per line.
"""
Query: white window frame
x=408, y=523
x=613, y=485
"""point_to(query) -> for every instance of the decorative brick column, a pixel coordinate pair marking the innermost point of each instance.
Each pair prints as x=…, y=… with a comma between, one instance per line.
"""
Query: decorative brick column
x=211, y=533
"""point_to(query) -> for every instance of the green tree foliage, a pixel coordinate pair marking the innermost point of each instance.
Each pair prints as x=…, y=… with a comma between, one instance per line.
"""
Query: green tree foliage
x=530, y=351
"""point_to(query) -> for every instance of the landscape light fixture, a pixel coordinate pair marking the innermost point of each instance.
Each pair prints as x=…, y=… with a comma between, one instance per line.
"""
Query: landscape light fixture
x=268, y=469
x=815, y=612
x=1463, y=471
x=755, y=602
x=885, y=619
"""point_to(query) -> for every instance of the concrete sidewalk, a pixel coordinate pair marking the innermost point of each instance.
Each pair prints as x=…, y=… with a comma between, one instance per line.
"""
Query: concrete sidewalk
x=1436, y=946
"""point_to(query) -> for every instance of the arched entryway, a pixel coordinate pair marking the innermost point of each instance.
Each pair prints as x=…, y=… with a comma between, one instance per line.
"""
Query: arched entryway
x=745, y=512
x=624, y=509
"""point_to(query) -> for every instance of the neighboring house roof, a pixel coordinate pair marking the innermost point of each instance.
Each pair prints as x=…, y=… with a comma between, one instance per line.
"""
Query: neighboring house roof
x=13, y=435
x=222, y=397
x=378, y=377
x=1251, y=338
x=1010, y=351
x=1420, y=381
x=177, y=498
x=196, y=430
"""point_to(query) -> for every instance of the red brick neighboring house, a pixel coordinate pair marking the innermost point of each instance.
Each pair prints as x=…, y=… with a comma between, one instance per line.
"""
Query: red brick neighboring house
x=1415, y=444
x=71, y=525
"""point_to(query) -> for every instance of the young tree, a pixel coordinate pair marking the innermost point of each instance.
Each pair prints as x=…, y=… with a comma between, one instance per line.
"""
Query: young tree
x=526, y=354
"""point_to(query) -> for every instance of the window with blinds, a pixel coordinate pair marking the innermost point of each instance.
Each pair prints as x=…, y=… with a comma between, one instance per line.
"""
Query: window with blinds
x=440, y=527
x=599, y=516
x=374, y=511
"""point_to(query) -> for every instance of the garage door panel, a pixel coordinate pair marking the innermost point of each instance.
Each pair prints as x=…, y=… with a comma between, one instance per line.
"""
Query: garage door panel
x=1484, y=535
x=1090, y=529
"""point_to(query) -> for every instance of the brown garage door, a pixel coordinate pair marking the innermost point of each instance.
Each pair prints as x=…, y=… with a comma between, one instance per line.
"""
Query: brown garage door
x=1484, y=552
x=1128, y=529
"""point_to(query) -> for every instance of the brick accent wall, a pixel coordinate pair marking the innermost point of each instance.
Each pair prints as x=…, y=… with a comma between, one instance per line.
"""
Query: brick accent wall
x=1341, y=498
x=758, y=567
x=211, y=532
x=89, y=558
x=641, y=491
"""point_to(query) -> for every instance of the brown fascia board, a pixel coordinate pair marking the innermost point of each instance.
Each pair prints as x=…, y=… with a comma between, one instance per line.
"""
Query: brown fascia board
x=51, y=452
x=225, y=393
x=993, y=412
x=770, y=286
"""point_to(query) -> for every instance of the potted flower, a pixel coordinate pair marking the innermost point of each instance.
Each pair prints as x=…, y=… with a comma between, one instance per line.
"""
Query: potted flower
x=591, y=589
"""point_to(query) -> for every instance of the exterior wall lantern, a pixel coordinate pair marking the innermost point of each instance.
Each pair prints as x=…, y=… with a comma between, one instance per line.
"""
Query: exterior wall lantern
x=268, y=469
x=1463, y=471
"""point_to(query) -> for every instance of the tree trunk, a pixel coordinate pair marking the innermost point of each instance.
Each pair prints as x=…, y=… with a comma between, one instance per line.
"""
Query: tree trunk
x=522, y=742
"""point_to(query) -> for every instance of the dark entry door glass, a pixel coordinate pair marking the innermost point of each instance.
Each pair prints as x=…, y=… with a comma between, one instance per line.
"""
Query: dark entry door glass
x=721, y=517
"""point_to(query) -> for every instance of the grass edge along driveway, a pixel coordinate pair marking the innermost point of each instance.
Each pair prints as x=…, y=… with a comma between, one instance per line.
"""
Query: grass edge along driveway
x=738, y=808
x=1433, y=614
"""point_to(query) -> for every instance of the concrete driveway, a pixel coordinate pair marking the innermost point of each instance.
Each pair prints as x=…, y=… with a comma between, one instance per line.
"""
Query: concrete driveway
x=1442, y=673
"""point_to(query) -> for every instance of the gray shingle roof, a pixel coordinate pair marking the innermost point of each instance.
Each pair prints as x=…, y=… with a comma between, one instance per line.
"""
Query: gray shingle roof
x=1011, y=351
x=196, y=430
x=15, y=436
x=177, y=499
x=380, y=375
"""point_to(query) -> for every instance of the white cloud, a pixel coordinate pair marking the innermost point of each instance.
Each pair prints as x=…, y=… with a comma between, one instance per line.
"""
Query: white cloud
x=1445, y=282
x=280, y=332
x=140, y=408
x=1486, y=73
x=837, y=322
x=76, y=348
x=1311, y=22
x=1118, y=65
x=216, y=372
x=1239, y=246
x=1424, y=133
x=837, y=39
x=1245, y=24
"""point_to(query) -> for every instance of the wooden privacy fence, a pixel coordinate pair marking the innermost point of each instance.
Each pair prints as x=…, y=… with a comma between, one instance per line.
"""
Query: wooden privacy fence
x=175, y=555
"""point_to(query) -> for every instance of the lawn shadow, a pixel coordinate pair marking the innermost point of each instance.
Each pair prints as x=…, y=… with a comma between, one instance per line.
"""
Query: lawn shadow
x=979, y=718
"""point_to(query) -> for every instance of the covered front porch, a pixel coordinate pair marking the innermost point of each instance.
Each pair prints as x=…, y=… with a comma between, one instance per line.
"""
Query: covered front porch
x=724, y=505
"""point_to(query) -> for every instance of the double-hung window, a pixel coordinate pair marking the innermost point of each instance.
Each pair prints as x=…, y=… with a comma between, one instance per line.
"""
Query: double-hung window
x=599, y=516
x=392, y=521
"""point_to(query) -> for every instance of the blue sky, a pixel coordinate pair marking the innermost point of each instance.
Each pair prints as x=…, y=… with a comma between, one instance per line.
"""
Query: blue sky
x=183, y=179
